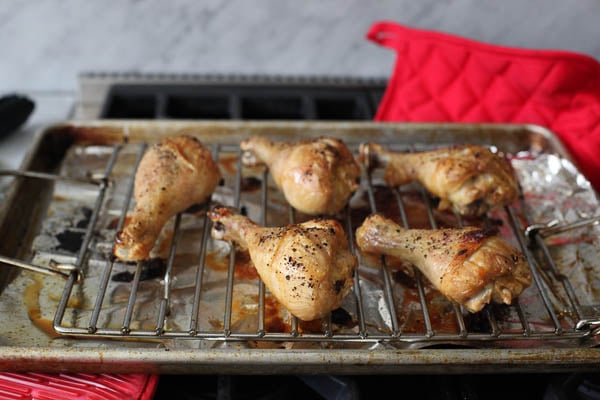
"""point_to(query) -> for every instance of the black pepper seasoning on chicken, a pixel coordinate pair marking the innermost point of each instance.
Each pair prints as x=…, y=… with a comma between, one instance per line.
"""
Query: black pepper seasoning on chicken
x=467, y=178
x=470, y=265
x=308, y=267
x=173, y=175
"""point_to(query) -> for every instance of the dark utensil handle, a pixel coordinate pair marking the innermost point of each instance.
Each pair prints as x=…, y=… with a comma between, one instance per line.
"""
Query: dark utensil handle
x=14, y=111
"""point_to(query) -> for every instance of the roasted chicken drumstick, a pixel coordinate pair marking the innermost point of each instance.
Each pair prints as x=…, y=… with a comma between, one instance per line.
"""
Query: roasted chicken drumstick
x=316, y=176
x=172, y=176
x=469, y=178
x=469, y=265
x=308, y=267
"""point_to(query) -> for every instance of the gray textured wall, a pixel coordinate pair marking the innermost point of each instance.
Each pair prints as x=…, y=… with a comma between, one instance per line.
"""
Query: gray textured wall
x=45, y=43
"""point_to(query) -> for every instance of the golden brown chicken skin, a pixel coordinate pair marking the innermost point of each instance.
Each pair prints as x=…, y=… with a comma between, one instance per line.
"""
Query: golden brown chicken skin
x=471, y=266
x=308, y=267
x=172, y=176
x=317, y=176
x=470, y=179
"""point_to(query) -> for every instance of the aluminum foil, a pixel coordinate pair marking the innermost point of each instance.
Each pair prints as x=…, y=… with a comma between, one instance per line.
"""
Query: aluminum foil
x=553, y=190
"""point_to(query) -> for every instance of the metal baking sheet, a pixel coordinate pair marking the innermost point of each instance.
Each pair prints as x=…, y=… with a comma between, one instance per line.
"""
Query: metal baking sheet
x=29, y=341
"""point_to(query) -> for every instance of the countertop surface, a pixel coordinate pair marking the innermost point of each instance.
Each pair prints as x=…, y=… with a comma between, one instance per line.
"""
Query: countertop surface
x=46, y=44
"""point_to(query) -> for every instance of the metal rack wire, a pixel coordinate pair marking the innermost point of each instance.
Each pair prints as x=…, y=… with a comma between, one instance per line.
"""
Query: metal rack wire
x=585, y=325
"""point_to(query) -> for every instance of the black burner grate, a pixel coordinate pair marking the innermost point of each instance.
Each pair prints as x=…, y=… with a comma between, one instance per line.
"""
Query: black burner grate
x=314, y=100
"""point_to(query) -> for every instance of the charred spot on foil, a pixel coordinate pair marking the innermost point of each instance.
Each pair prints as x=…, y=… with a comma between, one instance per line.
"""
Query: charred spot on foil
x=478, y=322
x=152, y=268
x=404, y=279
x=70, y=241
x=124, y=276
x=113, y=223
x=87, y=215
x=340, y=316
x=250, y=184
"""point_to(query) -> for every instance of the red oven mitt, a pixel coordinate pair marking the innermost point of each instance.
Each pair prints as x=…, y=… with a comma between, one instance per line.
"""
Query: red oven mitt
x=444, y=78
x=43, y=386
